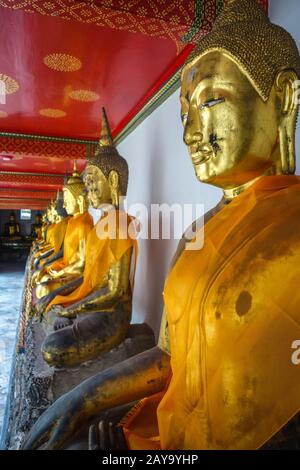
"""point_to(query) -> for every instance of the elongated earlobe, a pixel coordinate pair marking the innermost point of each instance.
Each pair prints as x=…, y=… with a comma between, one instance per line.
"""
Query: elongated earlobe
x=81, y=204
x=113, y=180
x=285, y=85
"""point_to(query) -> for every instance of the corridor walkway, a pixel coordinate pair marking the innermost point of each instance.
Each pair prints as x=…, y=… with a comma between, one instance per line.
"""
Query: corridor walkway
x=11, y=286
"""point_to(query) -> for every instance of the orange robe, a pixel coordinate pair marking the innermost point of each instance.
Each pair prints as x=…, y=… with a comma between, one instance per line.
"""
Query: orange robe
x=103, y=250
x=55, y=237
x=44, y=229
x=78, y=229
x=47, y=238
x=233, y=311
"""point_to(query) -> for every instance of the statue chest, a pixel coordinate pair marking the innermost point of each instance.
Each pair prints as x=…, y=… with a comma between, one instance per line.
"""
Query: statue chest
x=253, y=291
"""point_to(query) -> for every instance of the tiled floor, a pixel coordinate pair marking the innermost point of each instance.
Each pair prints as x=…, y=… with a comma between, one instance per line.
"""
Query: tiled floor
x=11, y=286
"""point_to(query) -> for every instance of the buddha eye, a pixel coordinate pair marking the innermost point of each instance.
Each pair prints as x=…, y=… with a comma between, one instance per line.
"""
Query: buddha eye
x=184, y=118
x=211, y=103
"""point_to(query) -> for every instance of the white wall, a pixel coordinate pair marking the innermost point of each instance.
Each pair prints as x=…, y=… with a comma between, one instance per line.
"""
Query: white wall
x=161, y=172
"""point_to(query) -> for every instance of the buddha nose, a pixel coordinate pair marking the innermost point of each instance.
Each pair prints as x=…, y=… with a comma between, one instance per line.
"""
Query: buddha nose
x=191, y=137
x=193, y=129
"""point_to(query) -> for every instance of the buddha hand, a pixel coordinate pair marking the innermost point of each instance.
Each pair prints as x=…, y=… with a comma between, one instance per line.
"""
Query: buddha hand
x=36, y=277
x=56, y=425
x=139, y=376
x=54, y=274
x=61, y=323
x=106, y=436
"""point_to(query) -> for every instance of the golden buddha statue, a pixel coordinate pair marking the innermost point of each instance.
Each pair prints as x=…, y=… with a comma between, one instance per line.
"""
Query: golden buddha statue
x=41, y=245
x=36, y=228
x=12, y=228
x=232, y=311
x=64, y=275
x=95, y=317
x=47, y=218
x=51, y=248
x=45, y=222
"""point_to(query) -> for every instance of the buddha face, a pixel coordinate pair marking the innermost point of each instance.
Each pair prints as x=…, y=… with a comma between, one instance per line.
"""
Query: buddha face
x=55, y=216
x=49, y=214
x=70, y=202
x=231, y=133
x=97, y=185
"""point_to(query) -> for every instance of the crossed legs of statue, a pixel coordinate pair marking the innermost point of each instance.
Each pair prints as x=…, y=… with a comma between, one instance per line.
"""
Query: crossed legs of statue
x=90, y=335
x=56, y=288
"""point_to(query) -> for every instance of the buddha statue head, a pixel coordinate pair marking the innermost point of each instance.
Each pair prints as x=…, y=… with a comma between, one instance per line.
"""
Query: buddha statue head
x=106, y=174
x=74, y=194
x=59, y=211
x=238, y=99
x=50, y=212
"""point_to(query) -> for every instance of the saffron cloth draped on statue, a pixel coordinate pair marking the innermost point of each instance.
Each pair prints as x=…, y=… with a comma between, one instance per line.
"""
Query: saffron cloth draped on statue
x=55, y=236
x=78, y=229
x=233, y=312
x=103, y=250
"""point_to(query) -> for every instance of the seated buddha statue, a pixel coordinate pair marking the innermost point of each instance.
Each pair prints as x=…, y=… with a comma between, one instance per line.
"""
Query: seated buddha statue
x=45, y=225
x=51, y=249
x=95, y=317
x=48, y=219
x=36, y=228
x=222, y=375
x=12, y=228
x=65, y=274
x=44, y=244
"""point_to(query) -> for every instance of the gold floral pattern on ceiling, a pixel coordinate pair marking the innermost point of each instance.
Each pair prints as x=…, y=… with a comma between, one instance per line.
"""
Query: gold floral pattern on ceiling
x=84, y=95
x=26, y=194
x=15, y=179
x=25, y=145
x=10, y=85
x=52, y=113
x=157, y=18
x=62, y=62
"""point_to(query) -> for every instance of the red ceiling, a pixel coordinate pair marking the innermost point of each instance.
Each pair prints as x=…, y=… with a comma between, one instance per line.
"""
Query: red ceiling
x=119, y=66
x=126, y=51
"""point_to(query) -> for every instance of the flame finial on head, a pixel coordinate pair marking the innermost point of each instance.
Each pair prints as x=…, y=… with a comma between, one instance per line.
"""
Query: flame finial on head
x=107, y=157
x=106, y=139
x=75, y=183
x=75, y=172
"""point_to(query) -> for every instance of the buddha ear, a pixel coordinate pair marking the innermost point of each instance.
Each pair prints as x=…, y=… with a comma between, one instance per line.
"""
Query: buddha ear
x=81, y=204
x=113, y=180
x=287, y=84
